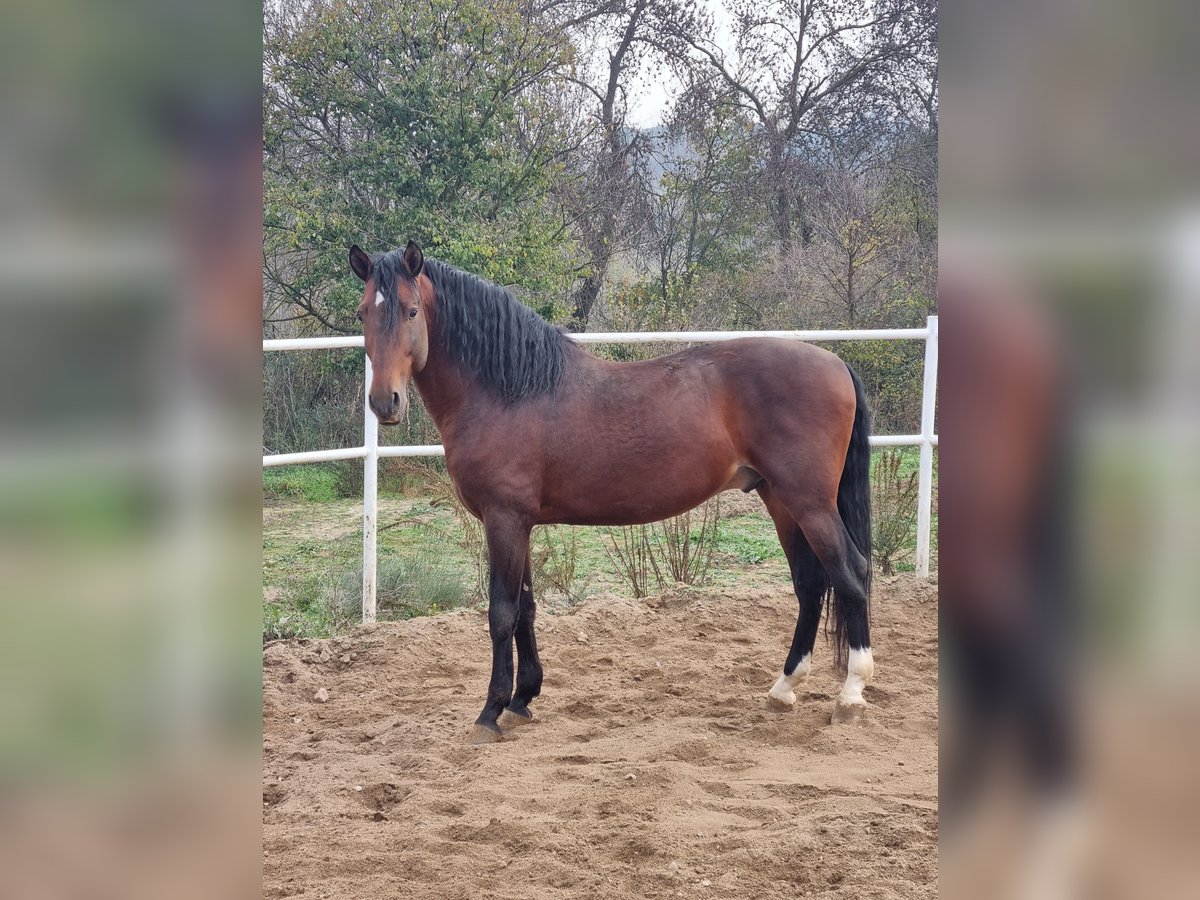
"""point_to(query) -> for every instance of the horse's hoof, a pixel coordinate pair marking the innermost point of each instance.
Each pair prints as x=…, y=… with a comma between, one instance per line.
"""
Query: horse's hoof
x=484, y=734
x=777, y=703
x=848, y=713
x=510, y=719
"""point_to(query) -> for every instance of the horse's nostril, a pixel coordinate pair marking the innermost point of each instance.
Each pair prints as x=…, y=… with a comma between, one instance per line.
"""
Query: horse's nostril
x=395, y=398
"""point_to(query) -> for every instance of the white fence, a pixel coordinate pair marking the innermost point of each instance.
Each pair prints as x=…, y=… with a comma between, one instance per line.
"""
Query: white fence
x=370, y=452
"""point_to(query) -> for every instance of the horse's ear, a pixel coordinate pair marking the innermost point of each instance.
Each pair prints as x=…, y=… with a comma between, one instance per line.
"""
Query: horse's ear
x=414, y=259
x=360, y=263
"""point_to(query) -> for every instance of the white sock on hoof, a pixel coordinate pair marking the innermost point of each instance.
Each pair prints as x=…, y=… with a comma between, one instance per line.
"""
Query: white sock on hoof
x=859, y=669
x=784, y=689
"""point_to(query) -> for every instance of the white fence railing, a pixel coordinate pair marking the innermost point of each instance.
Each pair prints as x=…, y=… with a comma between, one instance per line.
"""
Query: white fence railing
x=370, y=452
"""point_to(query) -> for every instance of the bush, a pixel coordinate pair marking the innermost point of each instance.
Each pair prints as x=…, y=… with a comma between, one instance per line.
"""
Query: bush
x=555, y=558
x=311, y=606
x=892, y=374
x=670, y=550
x=350, y=478
x=469, y=535
x=680, y=555
x=894, y=507
x=629, y=552
x=417, y=584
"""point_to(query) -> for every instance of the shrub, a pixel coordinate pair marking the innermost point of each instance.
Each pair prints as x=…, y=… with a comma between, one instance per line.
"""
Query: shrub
x=629, y=552
x=350, y=478
x=469, y=534
x=681, y=556
x=670, y=550
x=555, y=558
x=418, y=584
x=313, y=605
x=894, y=502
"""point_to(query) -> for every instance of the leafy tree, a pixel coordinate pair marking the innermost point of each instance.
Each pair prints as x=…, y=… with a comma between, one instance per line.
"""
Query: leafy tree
x=387, y=121
x=704, y=212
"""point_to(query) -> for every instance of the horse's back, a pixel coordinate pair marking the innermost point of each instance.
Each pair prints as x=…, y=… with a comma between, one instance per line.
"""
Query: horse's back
x=760, y=364
x=778, y=380
x=779, y=360
x=746, y=390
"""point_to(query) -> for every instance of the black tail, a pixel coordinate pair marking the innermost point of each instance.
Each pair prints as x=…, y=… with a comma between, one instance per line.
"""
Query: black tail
x=854, y=506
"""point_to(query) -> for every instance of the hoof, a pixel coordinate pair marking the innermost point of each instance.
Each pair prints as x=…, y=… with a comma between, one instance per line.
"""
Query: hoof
x=781, y=704
x=848, y=713
x=482, y=734
x=510, y=719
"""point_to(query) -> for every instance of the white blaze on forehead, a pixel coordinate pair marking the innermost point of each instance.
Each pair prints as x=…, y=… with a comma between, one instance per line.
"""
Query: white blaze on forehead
x=859, y=669
x=379, y=298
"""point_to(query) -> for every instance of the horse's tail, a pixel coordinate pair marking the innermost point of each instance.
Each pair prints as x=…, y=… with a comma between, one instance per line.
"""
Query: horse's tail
x=854, y=506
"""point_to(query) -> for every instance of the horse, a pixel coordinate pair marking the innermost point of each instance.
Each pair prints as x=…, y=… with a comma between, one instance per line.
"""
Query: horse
x=538, y=431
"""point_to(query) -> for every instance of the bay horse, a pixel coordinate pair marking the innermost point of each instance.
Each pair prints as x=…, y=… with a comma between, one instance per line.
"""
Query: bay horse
x=538, y=431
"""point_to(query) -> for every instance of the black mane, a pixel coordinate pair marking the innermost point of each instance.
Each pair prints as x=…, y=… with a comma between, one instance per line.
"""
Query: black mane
x=503, y=343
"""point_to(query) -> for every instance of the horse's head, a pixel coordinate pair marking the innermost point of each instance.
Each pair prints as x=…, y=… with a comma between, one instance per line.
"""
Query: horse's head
x=395, y=329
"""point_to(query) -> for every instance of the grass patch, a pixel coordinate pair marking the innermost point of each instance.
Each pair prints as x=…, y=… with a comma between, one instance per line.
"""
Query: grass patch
x=318, y=603
x=750, y=540
x=312, y=482
x=308, y=606
x=424, y=583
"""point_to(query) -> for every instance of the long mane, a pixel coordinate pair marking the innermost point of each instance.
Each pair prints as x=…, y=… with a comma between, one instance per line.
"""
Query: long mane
x=504, y=344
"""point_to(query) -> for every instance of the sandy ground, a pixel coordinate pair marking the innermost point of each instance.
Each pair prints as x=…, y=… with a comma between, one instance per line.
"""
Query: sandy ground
x=653, y=768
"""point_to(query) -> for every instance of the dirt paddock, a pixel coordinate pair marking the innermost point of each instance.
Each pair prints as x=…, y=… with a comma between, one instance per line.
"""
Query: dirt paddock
x=653, y=768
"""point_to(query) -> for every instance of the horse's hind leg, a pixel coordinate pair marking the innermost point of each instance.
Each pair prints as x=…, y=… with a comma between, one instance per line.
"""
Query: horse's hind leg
x=810, y=585
x=849, y=574
x=529, y=667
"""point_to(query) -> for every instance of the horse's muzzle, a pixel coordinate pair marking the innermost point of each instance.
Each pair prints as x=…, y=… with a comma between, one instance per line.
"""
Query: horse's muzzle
x=389, y=409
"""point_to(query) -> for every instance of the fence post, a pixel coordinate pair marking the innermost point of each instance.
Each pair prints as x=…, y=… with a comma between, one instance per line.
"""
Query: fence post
x=925, y=476
x=370, y=474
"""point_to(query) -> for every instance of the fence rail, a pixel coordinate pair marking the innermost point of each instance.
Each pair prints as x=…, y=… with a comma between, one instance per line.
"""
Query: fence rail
x=370, y=451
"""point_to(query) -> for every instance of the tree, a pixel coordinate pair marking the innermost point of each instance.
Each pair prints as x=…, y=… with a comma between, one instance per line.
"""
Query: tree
x=802, y=69
x=702, y=219
x=606, y=193
x=387, y=121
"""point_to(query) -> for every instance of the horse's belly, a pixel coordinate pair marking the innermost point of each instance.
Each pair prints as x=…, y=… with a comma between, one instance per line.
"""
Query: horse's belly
x=620, y=488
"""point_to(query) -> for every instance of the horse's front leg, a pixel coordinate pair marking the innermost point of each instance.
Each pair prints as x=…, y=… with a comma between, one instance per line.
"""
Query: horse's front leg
x=529, y=667
x=508, y=548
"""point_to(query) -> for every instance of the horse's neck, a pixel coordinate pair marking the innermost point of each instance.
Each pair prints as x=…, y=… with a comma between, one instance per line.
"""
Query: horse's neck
x=443, y=385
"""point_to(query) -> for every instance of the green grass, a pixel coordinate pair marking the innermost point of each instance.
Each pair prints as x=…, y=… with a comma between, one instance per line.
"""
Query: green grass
x=749, y=540
x=313, y=483
x=319, y=604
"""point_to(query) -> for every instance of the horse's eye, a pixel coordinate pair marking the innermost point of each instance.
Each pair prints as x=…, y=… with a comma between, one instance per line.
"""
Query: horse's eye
x=412, y=313
x=358, y=315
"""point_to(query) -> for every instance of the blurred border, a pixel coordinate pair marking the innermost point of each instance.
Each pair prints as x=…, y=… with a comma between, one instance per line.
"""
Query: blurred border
x=130, y=376
x=1070, y=308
